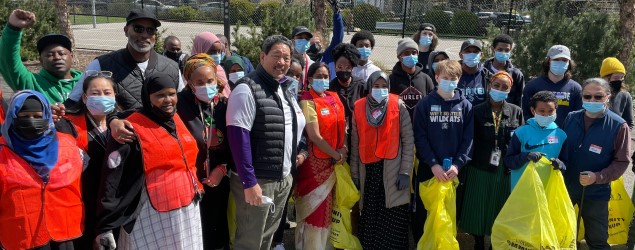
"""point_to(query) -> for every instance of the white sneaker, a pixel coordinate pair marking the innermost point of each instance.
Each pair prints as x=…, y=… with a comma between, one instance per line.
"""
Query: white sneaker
x=279, y=247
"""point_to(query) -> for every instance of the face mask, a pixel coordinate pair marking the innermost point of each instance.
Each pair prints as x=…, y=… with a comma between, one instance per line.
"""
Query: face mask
x=234, y=77
x=100, y=105
x=616, y=85
x=434, y=66
x=301, y=45
x=448, y=86
x=218, y=57
x=472, y=59
x=31, y=128
x=544, y=121
x=320, y=85
x=314, y=49
x=497, y=95
x=173, y=55
x=379, y=94
x=425, y=41
x=343, y=76
x=410, y=61
x=502, y=57
x=593, y=107
x=364, y=53
x=205, y=93
x=293, y=88
x=558, y=68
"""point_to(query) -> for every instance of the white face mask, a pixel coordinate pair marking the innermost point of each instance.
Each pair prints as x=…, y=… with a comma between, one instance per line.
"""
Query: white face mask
x=234, y=77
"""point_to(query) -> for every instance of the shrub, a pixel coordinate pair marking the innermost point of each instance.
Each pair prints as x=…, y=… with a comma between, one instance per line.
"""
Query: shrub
x=265, y=8
x=181, y=13
x=465, y=23
x=366, y=16
x=241, y=11
x=440, y=19
x=120, y=8
x=46, y=16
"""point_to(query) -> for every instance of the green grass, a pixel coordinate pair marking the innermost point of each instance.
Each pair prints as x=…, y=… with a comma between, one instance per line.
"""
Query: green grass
x=77, y=19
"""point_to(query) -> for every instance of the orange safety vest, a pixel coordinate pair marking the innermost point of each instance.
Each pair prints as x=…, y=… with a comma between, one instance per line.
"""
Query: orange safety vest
x=33, y=213
x=377, y=143
x=79, y=121
x=169, y=163
x=331, y=121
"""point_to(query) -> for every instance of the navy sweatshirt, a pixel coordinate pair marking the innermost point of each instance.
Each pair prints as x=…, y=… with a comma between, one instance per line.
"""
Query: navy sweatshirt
x=442, y=129
x=568, y=92
x=474, y=86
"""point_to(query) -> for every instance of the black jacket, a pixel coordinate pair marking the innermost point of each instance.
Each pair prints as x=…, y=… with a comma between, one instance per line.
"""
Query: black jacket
x=400, y=81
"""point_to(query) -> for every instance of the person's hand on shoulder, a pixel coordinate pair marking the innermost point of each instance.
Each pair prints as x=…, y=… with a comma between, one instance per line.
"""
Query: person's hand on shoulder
x=121, y=131
x=21, y=19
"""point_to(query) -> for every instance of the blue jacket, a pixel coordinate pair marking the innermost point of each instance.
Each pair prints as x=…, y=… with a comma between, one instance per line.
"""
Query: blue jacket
x=592, y=150
x=532, y=138
x=338, y=37
x=474, y=87
x=442, y=129
x=567, y=91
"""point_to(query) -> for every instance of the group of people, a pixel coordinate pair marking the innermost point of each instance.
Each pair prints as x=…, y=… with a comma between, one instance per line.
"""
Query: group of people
x=148, y=151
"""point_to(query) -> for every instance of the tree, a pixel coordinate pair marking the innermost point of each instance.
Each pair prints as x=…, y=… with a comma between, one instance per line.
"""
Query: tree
x=319, y=15
x=627, y=29
x=64, y=22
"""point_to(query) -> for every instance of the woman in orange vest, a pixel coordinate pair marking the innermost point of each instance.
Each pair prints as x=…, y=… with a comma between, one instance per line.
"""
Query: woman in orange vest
x=149, y=188
x=40, y=173
x=382, y=155
x=88, y=125
x=325, y=128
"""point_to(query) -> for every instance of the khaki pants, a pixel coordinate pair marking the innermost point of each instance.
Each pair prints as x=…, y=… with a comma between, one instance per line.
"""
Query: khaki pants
x=255, y=225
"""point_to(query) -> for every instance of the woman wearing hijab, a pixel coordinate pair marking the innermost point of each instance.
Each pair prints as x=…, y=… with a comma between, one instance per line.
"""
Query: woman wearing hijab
x=202, y=108
x=149, y=188
x=40, y=174
x=235, y=69
x=325, y=127
x=382, y=155
x=88, y=126
x=207, y=42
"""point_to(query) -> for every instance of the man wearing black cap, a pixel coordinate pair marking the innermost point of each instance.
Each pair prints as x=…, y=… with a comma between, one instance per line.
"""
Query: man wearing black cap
x=131, y=65
x=56, y=78
x=473, y=83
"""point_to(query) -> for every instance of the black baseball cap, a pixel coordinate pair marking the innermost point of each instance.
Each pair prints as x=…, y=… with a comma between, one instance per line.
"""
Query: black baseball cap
x=427, y=26
x=51, y=39
x=301, y=29
x=472, y=43
x=142, y=14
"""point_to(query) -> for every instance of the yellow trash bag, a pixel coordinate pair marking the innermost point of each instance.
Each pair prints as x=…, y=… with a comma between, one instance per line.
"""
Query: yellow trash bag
x=231, y=219
x=561, y=210
x=524, y=221
x=620, y=214
x=439, y=199
x=346, y=195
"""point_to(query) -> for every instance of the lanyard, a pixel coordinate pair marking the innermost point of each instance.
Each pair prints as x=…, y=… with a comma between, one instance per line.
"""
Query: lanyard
x=497, y=120
x=207, y=134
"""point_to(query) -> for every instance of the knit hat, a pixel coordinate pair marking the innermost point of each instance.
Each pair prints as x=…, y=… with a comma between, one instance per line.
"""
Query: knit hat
x=611, y=65
x=406, y=43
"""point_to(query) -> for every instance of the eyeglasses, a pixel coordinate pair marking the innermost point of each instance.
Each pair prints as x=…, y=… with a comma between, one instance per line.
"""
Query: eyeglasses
x=89, y=73
x=594, y=97
x=148, y=30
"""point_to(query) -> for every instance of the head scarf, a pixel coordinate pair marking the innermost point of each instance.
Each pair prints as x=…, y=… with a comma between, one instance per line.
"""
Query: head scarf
x=202, y=60
x=503, y=75
x=372, y=105
x=155, y=83
x=41, y=153
x=201, y=44
x=230, y=61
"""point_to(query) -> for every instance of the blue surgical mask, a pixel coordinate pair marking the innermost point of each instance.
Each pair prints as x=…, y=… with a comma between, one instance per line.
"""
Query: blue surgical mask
x=410, y=61
x=558, y=67
x=544, y=121
x=434, y=66
x=320, y=85
x=205, y=93
x=593, y=107
x=501, y=57
x=100, y=105
x=234, y=77
x=472, y=59
x=448, y=86
x=379, y=94
x=364, y=53
x=425, y=41
x=293, y=87
x=497, y=95
x=218, y=58
x=302, y=45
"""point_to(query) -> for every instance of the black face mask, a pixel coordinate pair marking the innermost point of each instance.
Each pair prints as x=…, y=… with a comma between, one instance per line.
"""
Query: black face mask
x=314, y=49
x=173, y=55
x=30, y=128
x=343, y=76
x=616, y=85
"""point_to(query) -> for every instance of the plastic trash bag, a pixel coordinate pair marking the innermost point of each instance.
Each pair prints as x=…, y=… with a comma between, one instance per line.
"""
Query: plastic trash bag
x=439, y=199
x=561, y=210
x=346, y=195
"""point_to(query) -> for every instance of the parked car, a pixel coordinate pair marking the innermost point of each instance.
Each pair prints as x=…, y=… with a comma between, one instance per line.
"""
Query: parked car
x=152, y=5
x=211, y=7
x=503, y=20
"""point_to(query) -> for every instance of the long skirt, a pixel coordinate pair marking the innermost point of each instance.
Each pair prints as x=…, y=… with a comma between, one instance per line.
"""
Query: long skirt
x=485, y=195
x=178, y=229
x=381, y=227
x=314, y=196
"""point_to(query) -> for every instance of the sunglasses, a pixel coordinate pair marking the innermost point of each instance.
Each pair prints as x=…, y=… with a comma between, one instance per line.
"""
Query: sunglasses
x=148, y=30
x=594, y=97
x=89, y=73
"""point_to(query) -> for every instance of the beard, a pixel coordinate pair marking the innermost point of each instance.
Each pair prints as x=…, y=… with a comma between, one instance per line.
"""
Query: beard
x=138, y=48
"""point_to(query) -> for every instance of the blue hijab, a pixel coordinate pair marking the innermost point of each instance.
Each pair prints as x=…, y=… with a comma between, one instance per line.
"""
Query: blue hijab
x=40, y=152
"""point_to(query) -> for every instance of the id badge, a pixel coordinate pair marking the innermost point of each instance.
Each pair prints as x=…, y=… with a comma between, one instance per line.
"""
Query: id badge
x=495, y=157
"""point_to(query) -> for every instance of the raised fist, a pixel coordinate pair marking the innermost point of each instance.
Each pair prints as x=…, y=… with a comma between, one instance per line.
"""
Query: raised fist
x=21, y=19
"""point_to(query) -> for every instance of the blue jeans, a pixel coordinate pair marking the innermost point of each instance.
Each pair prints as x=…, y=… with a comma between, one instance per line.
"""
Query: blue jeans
x=596, y=223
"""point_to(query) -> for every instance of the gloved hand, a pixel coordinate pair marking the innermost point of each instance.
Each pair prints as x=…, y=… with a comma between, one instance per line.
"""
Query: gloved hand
x=534, y=156
x=106, y=241
x=557, y=164
x=403, y=181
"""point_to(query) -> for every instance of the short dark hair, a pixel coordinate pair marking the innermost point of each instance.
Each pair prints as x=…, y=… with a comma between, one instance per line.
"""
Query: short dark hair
x=502, y=38
x=347, y=51
x=273, y=40
x=90, y=79
x=170, y=38
x=315, y=66
x=543, y=96
x=363, y=35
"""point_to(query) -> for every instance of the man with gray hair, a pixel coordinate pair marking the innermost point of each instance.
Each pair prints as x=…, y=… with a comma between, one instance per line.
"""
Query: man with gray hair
x=264, y=125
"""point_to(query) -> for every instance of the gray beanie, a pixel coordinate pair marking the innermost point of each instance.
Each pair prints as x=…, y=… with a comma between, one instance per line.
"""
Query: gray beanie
x=406, y=43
